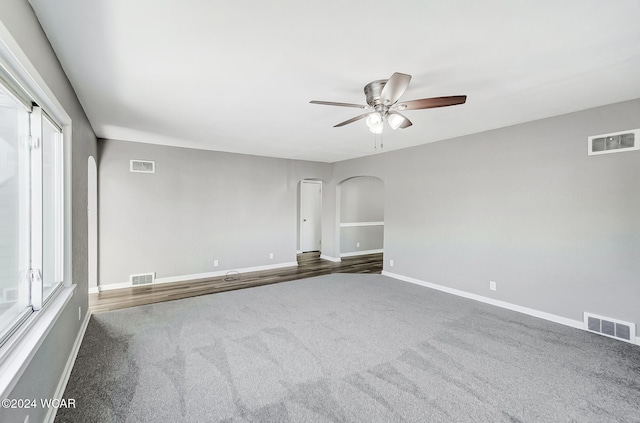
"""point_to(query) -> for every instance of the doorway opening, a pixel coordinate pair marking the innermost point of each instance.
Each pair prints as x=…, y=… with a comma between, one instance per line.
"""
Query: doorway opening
x=310, y=216
x=361, y=216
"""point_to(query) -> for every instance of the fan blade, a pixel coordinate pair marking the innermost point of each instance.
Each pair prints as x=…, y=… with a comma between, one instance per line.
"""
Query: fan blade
x=346, y=122
x=397, y=120
x=394, y=88
x=430, y=103
x=333, y=103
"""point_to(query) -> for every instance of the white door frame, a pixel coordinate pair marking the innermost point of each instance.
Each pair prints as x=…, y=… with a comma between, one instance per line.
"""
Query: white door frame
x=302, y=222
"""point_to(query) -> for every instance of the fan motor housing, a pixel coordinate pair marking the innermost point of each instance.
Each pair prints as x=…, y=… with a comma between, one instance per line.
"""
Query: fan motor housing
x=373, y=90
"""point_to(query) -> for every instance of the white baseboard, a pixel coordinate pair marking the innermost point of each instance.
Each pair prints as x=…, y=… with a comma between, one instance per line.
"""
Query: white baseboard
x=577, y=324
x=360, y=253
x=525, y=310
x=100, y=288
x=333, y=259
x=64, y=378
x=195, y=276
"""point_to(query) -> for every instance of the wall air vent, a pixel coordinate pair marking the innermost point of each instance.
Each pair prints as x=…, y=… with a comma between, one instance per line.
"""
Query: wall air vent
x=142, y=278
x=616, y=142
x=612, y=328
x=142, y=166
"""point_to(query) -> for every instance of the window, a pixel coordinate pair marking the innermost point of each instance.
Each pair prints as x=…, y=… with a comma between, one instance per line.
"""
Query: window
x=52, y=207
x=14, y=213
x=31, y=208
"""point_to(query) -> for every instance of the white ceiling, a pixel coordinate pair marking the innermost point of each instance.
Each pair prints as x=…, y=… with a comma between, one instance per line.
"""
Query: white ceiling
x=238, y=76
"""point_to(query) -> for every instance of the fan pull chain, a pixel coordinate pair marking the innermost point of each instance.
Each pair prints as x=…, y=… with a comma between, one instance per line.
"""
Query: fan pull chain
x=375, y=142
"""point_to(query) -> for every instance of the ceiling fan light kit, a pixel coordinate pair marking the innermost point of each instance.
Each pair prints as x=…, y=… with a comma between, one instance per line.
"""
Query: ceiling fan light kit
x=395, y=120
x=382, y=98
x=376, y=129
x=374, y=122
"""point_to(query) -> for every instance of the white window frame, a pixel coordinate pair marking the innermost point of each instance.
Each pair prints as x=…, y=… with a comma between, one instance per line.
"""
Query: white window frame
x=35, y=267
x=58, y=163
x=39, y=117
x=16, y=353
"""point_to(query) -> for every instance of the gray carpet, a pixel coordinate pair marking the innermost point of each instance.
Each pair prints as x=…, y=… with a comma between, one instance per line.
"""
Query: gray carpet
x=346, y=348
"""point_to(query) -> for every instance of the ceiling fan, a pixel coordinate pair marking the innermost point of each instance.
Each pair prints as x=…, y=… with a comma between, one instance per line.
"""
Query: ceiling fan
x=382, y=101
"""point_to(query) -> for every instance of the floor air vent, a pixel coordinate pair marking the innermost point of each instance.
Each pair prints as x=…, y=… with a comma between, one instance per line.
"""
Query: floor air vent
x=142, y=278
x=612, y=328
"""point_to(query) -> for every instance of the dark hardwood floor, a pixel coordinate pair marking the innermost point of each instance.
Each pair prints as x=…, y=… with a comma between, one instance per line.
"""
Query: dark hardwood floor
x=309, y=265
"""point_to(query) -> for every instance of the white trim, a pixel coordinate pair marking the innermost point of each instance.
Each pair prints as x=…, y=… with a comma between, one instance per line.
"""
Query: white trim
x=36, y=217
x=64, y=378
x=195, y=276
x=525, y=310
x=112, y=286
x=20, y=349
x=67, y=255
x=350, y=224
x=18, y=64
x=301, y=219
x=333, y=259
x=224, y=272
x=360, y=253
x=59, y=205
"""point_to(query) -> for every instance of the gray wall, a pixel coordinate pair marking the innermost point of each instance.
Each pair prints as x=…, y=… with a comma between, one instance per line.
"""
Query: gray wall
x=354, y=239
x=197, y=207
x=361, y=200
x=523, y=206
x=45, y=370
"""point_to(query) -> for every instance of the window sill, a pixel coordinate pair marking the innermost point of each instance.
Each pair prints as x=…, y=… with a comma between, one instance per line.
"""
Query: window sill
x=19, y=350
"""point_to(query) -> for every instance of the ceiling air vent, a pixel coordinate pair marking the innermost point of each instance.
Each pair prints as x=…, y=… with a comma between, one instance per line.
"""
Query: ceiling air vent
x=142, y=278
x=612, y=328
x=616, y=142
x=142, y=166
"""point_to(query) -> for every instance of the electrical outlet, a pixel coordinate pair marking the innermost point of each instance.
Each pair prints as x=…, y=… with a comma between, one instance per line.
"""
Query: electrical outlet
x=215, y=263
x=391, y=263
x=358, y=244
x=270, y=255
x=492, y=285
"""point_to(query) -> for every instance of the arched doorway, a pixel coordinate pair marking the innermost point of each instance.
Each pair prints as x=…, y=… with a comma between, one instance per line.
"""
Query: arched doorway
x=361, y=216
